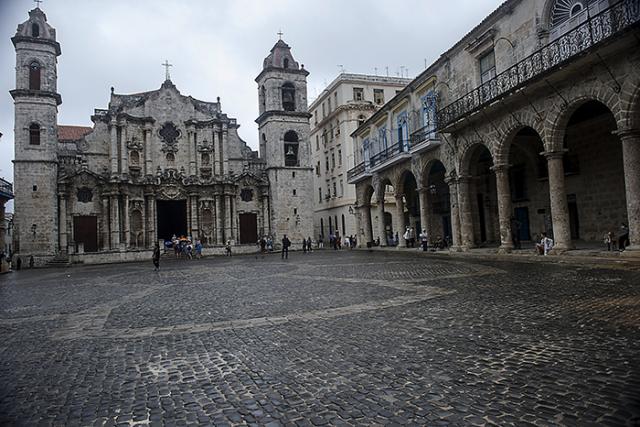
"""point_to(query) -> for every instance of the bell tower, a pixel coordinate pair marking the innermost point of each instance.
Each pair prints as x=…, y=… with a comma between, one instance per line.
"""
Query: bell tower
x=284, y=130
x=36, y=115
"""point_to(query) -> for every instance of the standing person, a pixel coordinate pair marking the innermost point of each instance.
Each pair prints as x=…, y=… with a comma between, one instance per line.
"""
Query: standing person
x=608, y=240
x=406, y=236
x=309, y=243
x=623, y=237
x=285, y=247
x=263, y=245
x=156, y=257
x=515, y=233
x=320, y=241
x=304, y=246
x=424, y=240
x=227, y=248
x=198, y=249
x=412, y=237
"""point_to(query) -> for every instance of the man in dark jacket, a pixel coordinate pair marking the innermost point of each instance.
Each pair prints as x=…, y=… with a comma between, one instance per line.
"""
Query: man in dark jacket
x=285, y=247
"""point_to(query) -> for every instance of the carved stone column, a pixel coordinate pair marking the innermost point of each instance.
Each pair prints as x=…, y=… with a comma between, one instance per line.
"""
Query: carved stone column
x=223, y=151
x=194, y=217
x=234, y=216
x=455, y=213
x=126, y=222
x=364, y=218
x=193, y=152
x=219, y=223
x=631, y=165
x=382, y=232
x=113, y=147
x=227, y=218
x=151, y=209
x=148, y=142
x=105, y=223
x=62, y=221
x=465, y=212
x=145, y=237
x=401, y=225
x=217, y=162
x=124, y=151
x=504, y=206
x=558, y=198
x=115, y=222
x=425, y=220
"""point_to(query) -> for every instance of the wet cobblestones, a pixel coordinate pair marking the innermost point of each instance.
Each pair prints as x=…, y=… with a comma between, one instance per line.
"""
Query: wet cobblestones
x=324, y=339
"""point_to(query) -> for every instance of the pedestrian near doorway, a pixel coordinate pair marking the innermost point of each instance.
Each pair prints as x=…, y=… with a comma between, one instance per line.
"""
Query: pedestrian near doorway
x=407, y=236
x=156, y=257
x=285, y=247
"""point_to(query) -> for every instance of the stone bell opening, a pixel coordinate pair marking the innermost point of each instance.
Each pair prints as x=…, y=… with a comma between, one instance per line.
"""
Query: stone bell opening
x=172, y=218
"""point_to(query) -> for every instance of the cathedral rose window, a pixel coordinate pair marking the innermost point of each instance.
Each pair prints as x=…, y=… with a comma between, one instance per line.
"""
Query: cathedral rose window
x=85, y=195
x=169, y=133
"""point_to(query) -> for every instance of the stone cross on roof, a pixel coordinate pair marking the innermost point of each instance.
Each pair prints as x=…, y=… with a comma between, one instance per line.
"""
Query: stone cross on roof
x=167, y=65
x=280, y=34
x=37, y=2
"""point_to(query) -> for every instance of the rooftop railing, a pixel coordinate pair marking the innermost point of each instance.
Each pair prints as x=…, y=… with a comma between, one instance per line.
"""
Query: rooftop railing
x=594, y=30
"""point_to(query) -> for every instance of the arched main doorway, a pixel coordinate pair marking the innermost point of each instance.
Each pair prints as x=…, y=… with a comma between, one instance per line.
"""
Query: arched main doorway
x=479, y=206
x=410, y=206
x=594, y=178
x=530, y=213
x=439, y=205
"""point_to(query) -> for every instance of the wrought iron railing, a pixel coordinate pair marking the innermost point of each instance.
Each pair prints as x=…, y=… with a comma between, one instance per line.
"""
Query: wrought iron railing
x=355, y=171
x=593, y=31
x=6, y=188
x=423, y=134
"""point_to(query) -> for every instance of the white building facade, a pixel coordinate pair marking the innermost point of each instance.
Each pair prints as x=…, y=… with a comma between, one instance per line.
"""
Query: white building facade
x=347, y=102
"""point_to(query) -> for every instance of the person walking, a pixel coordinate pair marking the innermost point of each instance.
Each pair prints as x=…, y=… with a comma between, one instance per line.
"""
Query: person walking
x=156, y=257
x=623, y=237
x=285, y=247
x=309, y=244
x=424, y=240
x=198, y=249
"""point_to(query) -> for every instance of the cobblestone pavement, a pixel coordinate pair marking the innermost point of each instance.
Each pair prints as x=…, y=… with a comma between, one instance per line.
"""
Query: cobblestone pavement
x=349, y=338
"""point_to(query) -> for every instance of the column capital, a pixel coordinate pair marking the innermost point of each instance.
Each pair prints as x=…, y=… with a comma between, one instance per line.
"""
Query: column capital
x=464, y=179
x=628, y=134
x=559, y=154
x=501, y=167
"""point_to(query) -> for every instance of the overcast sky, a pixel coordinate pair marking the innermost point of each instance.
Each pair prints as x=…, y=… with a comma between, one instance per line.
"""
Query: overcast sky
x=217, y=47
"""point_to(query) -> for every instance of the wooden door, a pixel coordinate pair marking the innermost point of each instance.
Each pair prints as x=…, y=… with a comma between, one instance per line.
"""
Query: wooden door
x=85, y=230
x=248, y=228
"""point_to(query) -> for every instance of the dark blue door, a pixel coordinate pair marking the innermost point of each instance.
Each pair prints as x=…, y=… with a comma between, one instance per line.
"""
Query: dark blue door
x=522, y=216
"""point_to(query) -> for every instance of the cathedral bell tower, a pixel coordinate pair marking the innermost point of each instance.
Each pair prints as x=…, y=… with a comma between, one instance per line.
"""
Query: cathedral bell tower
x=284, y=143
x=36, y=114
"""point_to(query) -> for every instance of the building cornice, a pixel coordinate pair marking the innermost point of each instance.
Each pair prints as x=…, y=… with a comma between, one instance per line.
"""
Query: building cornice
x=30, y=93
x=296, y=114
x=25, y=39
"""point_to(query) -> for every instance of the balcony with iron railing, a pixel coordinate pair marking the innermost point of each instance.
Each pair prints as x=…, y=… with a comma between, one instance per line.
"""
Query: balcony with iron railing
x=6, y=189
x=595, y=30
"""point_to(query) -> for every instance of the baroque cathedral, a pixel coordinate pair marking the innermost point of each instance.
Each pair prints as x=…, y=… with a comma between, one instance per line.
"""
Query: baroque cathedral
x=155, y=164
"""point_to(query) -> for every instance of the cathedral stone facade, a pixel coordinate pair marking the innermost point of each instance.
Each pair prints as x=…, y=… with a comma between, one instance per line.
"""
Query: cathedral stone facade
x=155, y=164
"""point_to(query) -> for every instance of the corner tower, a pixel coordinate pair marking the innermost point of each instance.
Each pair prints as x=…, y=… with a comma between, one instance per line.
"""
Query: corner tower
x=284, y=143
x=36, y=114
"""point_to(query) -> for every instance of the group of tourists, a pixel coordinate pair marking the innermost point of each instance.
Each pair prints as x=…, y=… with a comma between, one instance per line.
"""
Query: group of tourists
x=183, y=247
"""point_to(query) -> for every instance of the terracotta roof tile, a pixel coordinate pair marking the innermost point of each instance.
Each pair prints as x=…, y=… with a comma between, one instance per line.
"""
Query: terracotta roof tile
x=72, y=133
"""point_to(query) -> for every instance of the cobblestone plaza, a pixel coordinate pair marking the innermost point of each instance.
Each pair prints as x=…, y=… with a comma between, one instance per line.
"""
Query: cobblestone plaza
x=348, y=338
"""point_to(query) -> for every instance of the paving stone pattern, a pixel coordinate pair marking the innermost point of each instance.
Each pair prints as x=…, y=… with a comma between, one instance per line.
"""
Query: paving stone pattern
x=349, y=338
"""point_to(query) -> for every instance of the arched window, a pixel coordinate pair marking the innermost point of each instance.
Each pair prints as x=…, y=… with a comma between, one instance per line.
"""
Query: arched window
x=288, y=97
x=263, y=97
x=285, y=63
x=171, y=158
x=35, y=30
x=34, y=76
x=34, y=134
x=291, y=146
x=567, y=14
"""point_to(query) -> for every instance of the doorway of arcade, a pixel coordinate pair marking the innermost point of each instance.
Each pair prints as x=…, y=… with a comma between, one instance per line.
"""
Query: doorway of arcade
x=172, y=218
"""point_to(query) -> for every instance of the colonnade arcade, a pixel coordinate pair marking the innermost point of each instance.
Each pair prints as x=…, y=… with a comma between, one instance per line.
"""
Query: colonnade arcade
x=98, y=215
x=574, y=175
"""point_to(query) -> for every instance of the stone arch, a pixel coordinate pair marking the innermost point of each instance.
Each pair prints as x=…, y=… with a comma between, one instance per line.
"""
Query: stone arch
x=467, y=154
x=510, y=127
x=364, y=193
x=630, y=101
x=402, y=176
x=560, y=114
